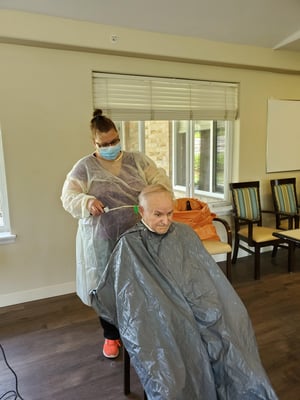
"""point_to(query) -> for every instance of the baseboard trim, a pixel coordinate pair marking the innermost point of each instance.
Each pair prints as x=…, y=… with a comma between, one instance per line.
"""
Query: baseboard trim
x=10, y=299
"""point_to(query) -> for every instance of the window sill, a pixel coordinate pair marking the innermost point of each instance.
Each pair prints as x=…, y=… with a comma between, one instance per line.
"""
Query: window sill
x=7, y=237
x=221, y=208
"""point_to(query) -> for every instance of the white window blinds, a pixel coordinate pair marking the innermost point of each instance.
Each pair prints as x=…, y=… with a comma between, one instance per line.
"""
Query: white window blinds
x=142, y=98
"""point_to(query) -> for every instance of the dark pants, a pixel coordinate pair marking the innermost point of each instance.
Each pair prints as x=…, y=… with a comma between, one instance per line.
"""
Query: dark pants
x=109, y=330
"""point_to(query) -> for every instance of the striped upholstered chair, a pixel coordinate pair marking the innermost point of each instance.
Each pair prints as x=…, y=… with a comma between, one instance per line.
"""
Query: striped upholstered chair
x=285, y=202
x=249, y=233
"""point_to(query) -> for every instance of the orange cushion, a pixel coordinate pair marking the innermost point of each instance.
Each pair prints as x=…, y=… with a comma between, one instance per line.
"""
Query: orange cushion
x=199, y=217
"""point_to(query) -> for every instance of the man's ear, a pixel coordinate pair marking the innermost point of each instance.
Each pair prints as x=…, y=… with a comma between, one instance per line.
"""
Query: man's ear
x=141, y=211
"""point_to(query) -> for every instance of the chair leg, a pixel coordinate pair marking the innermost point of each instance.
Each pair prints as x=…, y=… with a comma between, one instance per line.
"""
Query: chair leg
x=126, y=370
x=235, y=250
x=257, y=263
x=274, y=251
x=228, y=267
x=291, y=250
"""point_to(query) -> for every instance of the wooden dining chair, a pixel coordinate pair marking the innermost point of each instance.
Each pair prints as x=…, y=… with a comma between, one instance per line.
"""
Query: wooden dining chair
x=249, y=232
x=197, y=214
x=284, y=196
x=216, y=247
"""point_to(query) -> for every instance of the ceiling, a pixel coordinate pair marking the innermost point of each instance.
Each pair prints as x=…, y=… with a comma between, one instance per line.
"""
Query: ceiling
x=271, y=24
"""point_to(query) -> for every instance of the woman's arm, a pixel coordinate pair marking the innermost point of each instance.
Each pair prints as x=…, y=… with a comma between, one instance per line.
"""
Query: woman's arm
x=74, y=197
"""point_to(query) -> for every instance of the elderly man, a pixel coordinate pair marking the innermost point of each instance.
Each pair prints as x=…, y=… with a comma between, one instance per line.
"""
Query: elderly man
x=187, y=332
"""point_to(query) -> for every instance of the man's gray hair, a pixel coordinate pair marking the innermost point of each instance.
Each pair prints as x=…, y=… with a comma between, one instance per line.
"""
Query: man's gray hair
x=150, y=189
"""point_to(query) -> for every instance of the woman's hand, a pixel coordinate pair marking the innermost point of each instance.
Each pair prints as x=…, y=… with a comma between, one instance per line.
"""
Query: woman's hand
x=95, y=207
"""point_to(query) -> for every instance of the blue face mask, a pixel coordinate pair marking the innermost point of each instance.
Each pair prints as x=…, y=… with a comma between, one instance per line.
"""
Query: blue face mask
x=110, y=152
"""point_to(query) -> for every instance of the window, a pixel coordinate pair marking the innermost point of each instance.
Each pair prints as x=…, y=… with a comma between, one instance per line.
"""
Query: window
x=201, y=157
x=5, y=235
x=185, y=126
x=194, y=153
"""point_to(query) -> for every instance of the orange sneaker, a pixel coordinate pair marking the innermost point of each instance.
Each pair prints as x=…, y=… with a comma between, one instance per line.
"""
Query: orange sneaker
x=111, y=348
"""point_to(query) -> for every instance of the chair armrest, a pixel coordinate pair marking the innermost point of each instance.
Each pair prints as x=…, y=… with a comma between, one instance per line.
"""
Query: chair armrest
x=227, y=228
x=283, y=213
x=290, y=217
x=287, y=214
x=247, y=220
x=250, y=223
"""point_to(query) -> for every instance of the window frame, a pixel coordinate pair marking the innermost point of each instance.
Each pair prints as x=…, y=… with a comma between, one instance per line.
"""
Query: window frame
x=5, y=229
x=188, y=189
x=182, y=152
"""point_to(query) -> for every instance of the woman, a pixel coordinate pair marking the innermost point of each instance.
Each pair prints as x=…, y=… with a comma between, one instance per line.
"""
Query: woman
x=102, y=191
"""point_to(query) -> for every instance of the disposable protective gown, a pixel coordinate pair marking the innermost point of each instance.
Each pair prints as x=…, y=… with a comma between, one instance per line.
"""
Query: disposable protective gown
x=187, y=332
x=117, y=184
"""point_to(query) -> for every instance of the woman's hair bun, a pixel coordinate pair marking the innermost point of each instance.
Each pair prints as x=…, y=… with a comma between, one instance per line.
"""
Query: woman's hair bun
x=97, y=113
x=101, y=123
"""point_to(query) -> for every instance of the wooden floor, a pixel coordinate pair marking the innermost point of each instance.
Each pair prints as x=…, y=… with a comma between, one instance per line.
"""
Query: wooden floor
x=54, y=345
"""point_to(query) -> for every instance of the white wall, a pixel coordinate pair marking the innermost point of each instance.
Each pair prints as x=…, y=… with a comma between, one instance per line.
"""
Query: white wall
x=45, y=109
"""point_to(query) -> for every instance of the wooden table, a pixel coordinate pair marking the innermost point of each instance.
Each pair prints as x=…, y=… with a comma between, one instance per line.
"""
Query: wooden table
x=292, y=238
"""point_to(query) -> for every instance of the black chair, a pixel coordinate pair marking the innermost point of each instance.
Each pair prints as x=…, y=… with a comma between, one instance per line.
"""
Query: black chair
x=248, y=223
x=126, y=370
x=284, y=196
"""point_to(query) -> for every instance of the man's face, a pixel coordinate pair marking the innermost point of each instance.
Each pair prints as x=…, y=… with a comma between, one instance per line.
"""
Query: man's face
x=157, y=212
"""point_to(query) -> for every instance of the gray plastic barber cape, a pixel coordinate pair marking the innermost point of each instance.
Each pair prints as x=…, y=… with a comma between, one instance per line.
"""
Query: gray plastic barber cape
x=187, y=332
